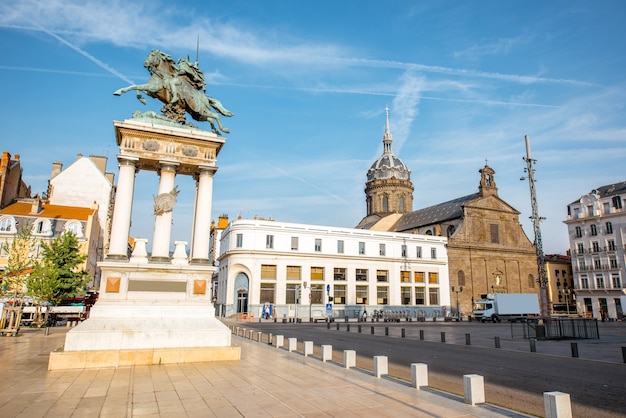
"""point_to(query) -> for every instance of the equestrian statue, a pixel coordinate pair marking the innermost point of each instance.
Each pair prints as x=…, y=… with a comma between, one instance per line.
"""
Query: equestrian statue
x=181, y=88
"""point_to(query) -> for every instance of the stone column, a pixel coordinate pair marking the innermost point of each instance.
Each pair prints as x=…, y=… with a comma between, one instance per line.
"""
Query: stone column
x=163, y=206
x=202, y=215
x=120, y=225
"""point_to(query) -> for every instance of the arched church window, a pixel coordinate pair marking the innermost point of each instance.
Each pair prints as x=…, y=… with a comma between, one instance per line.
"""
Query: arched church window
x=461, y=278
x=450, y=231
x=531, y=281
x=401, y=205
x=429, y=232
x=385, y=204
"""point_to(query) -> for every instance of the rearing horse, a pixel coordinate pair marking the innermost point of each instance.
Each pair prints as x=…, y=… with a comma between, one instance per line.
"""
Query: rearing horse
x=173, y=87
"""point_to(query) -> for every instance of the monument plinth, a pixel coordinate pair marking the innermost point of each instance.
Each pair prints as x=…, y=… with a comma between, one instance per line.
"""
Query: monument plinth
x=154, y=309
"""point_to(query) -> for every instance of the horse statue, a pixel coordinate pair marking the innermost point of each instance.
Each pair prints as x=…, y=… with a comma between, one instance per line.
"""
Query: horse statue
x=181, y=89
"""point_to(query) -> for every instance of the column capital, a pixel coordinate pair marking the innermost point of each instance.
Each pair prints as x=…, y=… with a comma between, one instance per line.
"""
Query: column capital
x=127, y=160
x=168, y=165
x=204, y=170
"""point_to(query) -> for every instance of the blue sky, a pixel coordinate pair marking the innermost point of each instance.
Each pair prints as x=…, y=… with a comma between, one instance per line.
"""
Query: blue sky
x=309, y=81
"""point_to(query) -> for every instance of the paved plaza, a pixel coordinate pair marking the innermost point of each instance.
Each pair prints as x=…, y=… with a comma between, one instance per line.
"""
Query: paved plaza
x=267, y=382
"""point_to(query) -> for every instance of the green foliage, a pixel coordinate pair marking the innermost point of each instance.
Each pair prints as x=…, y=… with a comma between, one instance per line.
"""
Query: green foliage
x=58, y=276
x=19, y=263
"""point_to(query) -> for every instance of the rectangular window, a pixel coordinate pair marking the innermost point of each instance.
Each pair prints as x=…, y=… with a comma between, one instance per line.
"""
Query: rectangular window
x=318, y=245
x=403, y=251
x=382, y=295
x=268, y=271
x=290, y=293
x=609, y=227
x=317, y=273
x=594, y=230
x=294, y=272
x=294, y=243
x=405, y=295
x=617, y=202
x=433, y=296
x=340, y=247
x=584, y=282
x=361, y=295
x=599, y=281
x=590, y=210
x=420, y=296
x=381, y=249
x=495, y=236
x=579, y=232
x=269, y=241
x=418, y=252
x=617, y=283
x=419, y=277
x=239, y=240
x=611, y=245
x=361, y=248
x=339, y=293
x=317, y=293
x=580, y=248
x=382, y=275
x=361, y=275
x=597, y=264
x=613, y=263
x=596, y=247
x=268, y=291
x=433, y=253
x=405, y=277
x=433, y=277
x=339, y=273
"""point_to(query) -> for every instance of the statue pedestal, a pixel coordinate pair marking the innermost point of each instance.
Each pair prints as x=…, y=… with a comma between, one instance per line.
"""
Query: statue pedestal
x=148, y=313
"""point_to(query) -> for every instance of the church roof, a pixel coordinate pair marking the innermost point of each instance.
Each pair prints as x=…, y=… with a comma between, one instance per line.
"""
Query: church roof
x=452, y=209
x=388, y=165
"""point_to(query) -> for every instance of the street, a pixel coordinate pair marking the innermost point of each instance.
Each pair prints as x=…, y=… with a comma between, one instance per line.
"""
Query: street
x=513, y=378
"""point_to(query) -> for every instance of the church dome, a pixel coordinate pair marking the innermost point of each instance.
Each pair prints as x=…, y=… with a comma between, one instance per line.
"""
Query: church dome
x=388, y=165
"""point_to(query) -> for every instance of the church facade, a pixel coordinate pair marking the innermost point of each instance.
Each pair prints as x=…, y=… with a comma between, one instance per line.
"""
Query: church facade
x=488, y=251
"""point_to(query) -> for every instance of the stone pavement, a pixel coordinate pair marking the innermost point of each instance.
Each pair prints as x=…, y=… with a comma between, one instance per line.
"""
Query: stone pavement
x=267, y=382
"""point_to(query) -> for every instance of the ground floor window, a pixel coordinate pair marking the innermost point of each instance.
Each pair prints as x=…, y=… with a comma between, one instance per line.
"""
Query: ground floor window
x=290, y=293
x=405, y=294
x=382, y=295
x=339, y=294
x=317, y=293
x=433, y=296
x=361, y=295
x=420, y=296
x=268, y=292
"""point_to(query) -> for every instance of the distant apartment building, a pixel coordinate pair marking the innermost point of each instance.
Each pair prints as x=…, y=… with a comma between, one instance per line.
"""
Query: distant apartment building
x=47, y=222
x=299, y=269
x=596, y=224
x=561, y=295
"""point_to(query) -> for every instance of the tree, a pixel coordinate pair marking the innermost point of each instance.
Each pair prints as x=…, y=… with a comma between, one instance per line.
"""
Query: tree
x=20, y=264
x=58, y=275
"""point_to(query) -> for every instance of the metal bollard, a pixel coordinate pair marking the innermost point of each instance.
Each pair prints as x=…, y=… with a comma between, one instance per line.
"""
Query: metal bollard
x=468, y=340
x=624, y=354
x=497, y=340
x=47, y=331
x=574, y=347
x=443, y=337
x=386, y=330
x=421, y=334
x=359, y=329
x=533, y=345
x=372, y=332
x=337, y=326
x=403, y=333
x=270, y=338
x=348, y=327
x=327, y=324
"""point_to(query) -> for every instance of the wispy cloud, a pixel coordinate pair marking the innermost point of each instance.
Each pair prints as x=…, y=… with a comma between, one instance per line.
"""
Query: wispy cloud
x=500, y=46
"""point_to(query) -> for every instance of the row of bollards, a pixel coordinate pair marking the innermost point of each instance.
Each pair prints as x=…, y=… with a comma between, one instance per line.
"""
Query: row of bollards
x=556, y=404
x=468, y=340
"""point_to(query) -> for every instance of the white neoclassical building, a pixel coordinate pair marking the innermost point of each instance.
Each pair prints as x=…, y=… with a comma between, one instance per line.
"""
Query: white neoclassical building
x=596, y=225
x=303, y=270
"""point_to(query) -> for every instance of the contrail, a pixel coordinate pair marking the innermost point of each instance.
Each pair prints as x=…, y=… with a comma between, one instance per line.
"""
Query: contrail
x=91, y=58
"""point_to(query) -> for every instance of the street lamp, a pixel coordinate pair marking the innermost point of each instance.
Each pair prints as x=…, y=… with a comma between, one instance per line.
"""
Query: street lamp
x=458, y=314
x=566, y=292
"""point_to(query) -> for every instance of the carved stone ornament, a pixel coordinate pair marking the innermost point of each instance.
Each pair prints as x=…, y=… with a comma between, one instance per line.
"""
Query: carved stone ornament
x=165, y=202
x=190, y=151
x=150, y=145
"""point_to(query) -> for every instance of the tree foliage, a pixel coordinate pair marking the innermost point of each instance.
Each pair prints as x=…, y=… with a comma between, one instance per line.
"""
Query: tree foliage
x=20, y=263
x=58, y=275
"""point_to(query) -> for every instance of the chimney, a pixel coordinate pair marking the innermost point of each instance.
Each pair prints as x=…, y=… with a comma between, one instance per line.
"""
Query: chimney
x=100, y=162
x=57, y=166
x=36, y=206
